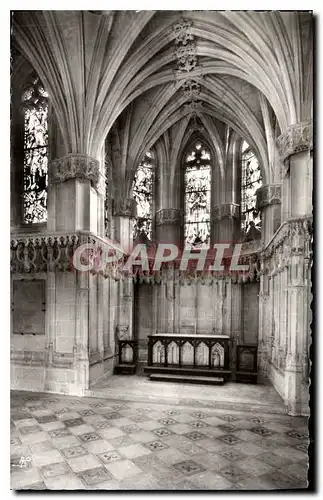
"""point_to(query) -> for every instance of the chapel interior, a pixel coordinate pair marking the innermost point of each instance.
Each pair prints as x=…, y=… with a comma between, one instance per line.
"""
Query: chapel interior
x=193, y=128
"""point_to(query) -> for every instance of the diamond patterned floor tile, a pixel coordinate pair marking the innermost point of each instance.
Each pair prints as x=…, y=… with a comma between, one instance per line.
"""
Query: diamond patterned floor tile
x=89, y=436
x=57, y=469
x=229, y=439
x=110, y=456
x=195, y=436
x=163, y=431
x=74, y=451
x=189, y=467
x=95, y=476
x=156, y=446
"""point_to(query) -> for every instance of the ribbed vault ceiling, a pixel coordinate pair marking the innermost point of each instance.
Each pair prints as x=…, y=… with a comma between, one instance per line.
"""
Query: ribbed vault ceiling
x=120, y=69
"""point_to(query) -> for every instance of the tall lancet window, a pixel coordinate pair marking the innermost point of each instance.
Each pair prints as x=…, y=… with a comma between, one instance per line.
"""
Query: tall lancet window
x=142, y=190
x=250, y=182
x=35, y=174
x=197, y=195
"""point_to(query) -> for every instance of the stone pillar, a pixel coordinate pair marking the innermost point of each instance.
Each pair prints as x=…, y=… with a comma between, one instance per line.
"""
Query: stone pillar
x=269, y=202
x=168, y=225
x=74, y=184
x=225, y=223
x=124, y=210
x=295, y=146
x=81, y=358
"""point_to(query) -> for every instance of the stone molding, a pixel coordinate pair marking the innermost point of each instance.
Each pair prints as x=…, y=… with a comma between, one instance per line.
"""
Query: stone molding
x=126, y=207
x=226, y=211
x=75, y=166
x=269, y=194
x=171, y=216
x=297, y=138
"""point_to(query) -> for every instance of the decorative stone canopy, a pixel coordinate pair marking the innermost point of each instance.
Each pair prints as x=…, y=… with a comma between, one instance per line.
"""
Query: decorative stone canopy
x=269, y=194
x=168, y=216
x=226, y=210
x=74, y=166
x=297, y=138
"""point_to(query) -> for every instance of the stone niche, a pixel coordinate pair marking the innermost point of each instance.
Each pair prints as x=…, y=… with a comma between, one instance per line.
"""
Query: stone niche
x=28, y=307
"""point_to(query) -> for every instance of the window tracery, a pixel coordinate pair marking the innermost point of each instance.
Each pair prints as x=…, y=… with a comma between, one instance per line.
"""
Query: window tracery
x=142, y=190
x=250, y=182
x=197, y=180
x=35, y=172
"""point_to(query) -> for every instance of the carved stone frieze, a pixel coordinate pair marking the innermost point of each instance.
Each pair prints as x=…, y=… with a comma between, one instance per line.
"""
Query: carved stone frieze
x=75, y=166
x=31, y=254
x=226, y=210
x=269, y=194
x=298, y=137
x=168, y=216
x=293, y=239
x=125, y=207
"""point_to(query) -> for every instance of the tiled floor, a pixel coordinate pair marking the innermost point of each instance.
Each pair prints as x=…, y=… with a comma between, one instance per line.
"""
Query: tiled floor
x=60, y=442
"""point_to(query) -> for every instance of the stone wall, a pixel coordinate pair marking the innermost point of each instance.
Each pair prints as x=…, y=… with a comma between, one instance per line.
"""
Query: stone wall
x=221, y=307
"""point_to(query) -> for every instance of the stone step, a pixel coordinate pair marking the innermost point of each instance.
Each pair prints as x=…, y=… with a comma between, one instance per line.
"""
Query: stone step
x=192, y=379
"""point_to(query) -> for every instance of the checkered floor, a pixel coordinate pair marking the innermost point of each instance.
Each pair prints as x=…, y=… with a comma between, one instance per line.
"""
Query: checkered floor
x=60, y=442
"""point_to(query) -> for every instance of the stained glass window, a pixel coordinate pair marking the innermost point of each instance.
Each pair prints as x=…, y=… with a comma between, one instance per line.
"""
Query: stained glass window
x=35, y=108
x=143, y=194
x=250, y=182
x=197, y=196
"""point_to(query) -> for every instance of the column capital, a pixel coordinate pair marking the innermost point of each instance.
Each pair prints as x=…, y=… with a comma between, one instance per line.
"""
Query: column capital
x=226, y=211
x=298, y=137
x=125, y=207
x=75, y=166
x=270, y=194
x=167, y=216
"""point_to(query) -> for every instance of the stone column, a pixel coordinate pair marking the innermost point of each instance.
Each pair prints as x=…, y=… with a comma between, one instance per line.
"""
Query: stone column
x=74, y=185
x=226, y=223
x=295, y=146
x=269, y=203
x=124, y=210
x=168, y=225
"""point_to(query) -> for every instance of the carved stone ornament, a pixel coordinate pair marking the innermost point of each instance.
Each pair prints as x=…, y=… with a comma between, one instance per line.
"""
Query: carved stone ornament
x=123, y=332
x=182, y=31
x=194, y=106
x=268, y=195
x=168, y=216
x=74, y=166
x=125, y=207
x=297, y=138
x=31, y=254
x=226, y=210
